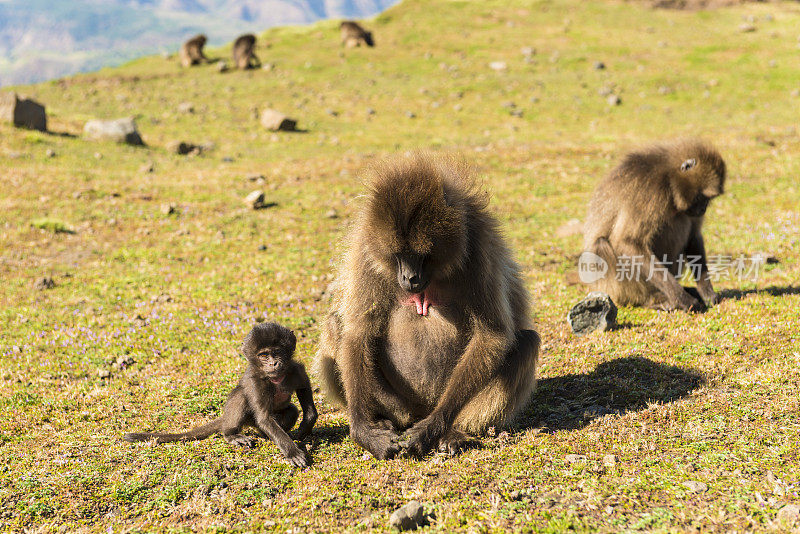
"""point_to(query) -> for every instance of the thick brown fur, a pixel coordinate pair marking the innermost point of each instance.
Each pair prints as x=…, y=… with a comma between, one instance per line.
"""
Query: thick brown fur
x=468, y=364
x=244, y=56
x=261, y=399
x=192, y=51
x=354, y=35
x=652, y=206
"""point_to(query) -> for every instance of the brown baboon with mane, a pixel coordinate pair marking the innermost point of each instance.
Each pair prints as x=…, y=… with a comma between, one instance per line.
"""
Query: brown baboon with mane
x=261, y=399
x=192, y=51
x=430, y=327
x=354, y=35
x=244, y=56
x=651, y=207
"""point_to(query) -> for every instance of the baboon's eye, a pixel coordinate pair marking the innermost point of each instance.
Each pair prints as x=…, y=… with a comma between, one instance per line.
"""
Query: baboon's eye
x=688, y=164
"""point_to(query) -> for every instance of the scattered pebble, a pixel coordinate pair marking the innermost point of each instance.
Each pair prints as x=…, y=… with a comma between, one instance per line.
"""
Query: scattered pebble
x=276, y=121
x=123, y=362
x=498, y=65
x=747, y=28
x=262, y=248
x=695, y=486
x=527, y=51
x=43, y=283
x=255, y=199
x=50, y=153
x=331, y=214
x=147, y=167
x=575, y=458
x=168, y=208
x=613, y=100
x=599, y=65
x=186, y=107
x=103, y=373
x=609, y=460
x=665, y=90
x=222, y=66
x=409, y=517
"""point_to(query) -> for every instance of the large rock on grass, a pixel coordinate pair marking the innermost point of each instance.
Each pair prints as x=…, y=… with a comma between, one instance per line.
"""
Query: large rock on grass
x=22, y=112
x=118, y=130
x=595, y=312
x=275, y=120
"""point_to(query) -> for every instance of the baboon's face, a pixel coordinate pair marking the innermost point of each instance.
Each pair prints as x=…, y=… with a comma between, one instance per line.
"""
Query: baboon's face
x=269, y=347
x=703, y=178
x=274, y=363
x=416, y=235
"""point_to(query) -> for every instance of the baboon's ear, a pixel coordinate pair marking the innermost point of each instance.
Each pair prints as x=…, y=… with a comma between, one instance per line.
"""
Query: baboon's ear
x=688, y=164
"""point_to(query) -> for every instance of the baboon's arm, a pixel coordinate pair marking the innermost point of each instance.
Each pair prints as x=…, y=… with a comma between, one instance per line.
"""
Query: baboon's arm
x=696, y=247
x=306, y=398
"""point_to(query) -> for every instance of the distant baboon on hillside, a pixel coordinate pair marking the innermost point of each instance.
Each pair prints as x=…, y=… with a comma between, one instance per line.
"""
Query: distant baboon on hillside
x=192, y=51
x=244, y=56
x=354, y=35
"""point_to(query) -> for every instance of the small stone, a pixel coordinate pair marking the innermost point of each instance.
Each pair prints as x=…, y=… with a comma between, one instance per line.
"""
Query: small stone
x=138, y=321
x=183, y=148
x=458, y=107
x=613, y=100
x=747, y=28
x=262, y=248
x=255, y=200
x=411, y=114
x=50, y=153
x=664, y=90
x=98, y=155
x=222, y=66
x=332, y=112
x=571, y=227
x=268, y=67
x=370, y=111
x=16, y=349
x=498, y=65
x=118, y=130
x=695, y=486
x=527, y=51
x=609, y=460
x=103, y=373
x=795, y=93
x=788, y=516
x=599, y=65
x=43, y=283
x=186, y=107
x=595, y=312
x=605, y=91
x=575, y=458
x=147, y=167
x=168, y=208
x=124, y=361
x=276, y=121
x=763, y=258
x=517, y=113
x=331, y=214
x=409, y=517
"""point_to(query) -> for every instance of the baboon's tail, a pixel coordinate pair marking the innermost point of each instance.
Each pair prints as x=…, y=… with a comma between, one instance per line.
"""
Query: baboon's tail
x=201, y=432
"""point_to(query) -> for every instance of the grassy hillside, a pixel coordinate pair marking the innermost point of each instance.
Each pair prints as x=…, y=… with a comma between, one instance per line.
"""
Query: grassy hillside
x=675, y=398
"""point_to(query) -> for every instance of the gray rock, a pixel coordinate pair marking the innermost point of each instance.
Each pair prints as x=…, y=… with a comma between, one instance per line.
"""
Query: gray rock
x=695, y=486
x=103, y=373
x=275, y=120
x=50, y=153
x=575, y=458
x=787, y=516
x=43, y=283
x=595, y=312
x=498, y=65
x=747, y=28
x=118, y=130
x=255, y=200
x=222, y=66
x=26, y=113
x=409, y=517
x=186, y=107
x=609, y=460
x=168, y=208
x=599, y=65
x=613, y=100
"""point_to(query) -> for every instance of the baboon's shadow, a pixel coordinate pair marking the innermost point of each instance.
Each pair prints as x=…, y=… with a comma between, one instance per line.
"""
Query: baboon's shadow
x=775, y=291
x=618, y=386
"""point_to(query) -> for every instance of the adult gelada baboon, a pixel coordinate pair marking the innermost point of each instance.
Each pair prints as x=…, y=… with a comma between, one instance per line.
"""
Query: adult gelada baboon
x=192, y=51
x=261, y=399
x=429, y=330
x=244, y=56
x=644, y=225
x=354, y=35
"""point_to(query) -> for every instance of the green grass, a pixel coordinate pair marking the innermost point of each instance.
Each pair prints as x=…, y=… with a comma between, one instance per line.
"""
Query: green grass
x=709, y=398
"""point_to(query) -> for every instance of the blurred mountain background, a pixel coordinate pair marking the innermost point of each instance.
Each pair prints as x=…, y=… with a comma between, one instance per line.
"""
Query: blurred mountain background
x=44, y=39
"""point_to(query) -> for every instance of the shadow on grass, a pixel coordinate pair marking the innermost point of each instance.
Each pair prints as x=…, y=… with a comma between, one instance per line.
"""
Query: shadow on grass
x=623, y=385
x=775, y=291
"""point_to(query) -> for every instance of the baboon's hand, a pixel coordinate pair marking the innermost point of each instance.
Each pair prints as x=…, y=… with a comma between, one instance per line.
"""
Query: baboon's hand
x=297, y=457
x=687, y=302
x=380, y=442
x=423, y=436
x=710, y=297
x=240, y=440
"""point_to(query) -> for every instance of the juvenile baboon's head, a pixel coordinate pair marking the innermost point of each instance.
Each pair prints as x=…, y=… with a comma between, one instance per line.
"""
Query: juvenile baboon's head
x=698, y=176
x=269, y=347
x=416, y=220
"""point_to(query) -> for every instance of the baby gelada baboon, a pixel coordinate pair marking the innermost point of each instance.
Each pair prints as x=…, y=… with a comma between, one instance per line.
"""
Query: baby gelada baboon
x=244, y=56
x=192, y=51
x=429, y=332
x=354, y=35
x=261, y=399
x=644, y=226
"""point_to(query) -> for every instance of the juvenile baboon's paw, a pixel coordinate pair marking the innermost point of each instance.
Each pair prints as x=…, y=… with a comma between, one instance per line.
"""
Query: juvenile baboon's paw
x=297, y=457
x=456, y=442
